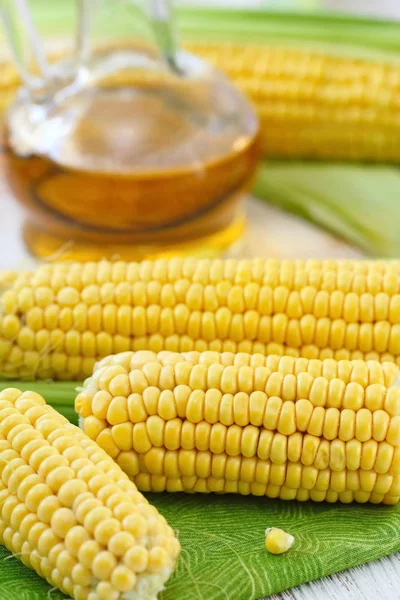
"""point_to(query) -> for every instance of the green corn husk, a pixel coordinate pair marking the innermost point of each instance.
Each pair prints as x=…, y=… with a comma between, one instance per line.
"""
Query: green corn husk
x=367, y=38
x=360, y=203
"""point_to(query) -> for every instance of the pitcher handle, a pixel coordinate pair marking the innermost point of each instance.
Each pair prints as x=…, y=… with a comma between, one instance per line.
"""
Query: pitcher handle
x=162, y=17
x=25, y=45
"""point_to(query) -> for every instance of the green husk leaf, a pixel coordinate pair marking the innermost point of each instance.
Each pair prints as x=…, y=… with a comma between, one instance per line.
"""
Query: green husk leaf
x=356, y=202
x=359, y=36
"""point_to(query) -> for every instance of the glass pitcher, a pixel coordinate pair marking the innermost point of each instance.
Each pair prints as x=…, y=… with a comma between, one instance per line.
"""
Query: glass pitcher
x=130, y=147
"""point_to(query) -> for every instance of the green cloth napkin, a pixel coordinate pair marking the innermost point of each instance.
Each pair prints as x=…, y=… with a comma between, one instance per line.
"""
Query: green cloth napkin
x=223, y=554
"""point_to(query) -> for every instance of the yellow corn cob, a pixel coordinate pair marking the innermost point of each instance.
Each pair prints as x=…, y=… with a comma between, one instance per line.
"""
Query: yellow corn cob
x=274, y=426
x=69, y=512
x=313, y=105
x=57, y=321
x=310, y=104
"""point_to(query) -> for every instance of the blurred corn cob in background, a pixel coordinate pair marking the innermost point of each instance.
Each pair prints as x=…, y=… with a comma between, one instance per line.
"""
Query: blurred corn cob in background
x=310, y=105
x=313, y=105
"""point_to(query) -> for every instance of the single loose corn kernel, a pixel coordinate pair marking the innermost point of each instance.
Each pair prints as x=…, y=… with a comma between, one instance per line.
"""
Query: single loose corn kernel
x=278, y=541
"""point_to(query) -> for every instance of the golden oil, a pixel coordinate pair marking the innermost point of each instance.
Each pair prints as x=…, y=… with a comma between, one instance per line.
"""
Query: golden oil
x=136, y=167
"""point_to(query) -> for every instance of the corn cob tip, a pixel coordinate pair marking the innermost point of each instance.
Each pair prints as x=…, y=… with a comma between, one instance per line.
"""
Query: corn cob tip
x=69, y=512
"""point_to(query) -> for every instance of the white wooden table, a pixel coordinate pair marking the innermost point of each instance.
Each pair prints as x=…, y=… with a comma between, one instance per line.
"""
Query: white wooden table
x=271, y=233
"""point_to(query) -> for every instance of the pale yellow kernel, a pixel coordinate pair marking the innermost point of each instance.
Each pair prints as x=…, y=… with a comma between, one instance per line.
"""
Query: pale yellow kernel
x=105, y=530
x=104, y=591
x=106, y=441
x=62, y=521
x=229, y=380
x=304, y=385
x=274, y=385
x=294, y=447
x=278, y=541
x=92, y=426
x=136, y=559
x=158, y=559
x=123, y=579
x=36, y=495
x=393, y=434
x=75, y=538
x=123, y=509
x=272, y=412
x=54, y=552
x=83, y=404
x=347, y=425
x=374, y=397
x=304, y=411
x=96, y=516
x=136, y=525
x=47, y=541
x=166, y=405
x=120, y=543
x=81, y=575
x=384, y=458
x=316, y=423
x=47, y=508
x=364, y=425
x=261, y=376
x=26, y=485
x=10, y=327
x=74, y=453
x=65, y=563
x=122, y=436
x=392, y=401
x=380, y=424
x=103, y=565
x=217, y=440
x=140, y=438
x=117, y=411
x=59, y=476
x=195, y=406
x=310, y=448
x=257, y=403
x=287, y=418
x=353, y=396
x=120, y=385
x=331, y=423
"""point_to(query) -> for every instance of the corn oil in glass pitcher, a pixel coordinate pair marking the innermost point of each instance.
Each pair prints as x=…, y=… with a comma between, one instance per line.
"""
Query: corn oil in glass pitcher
x=131, y=147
